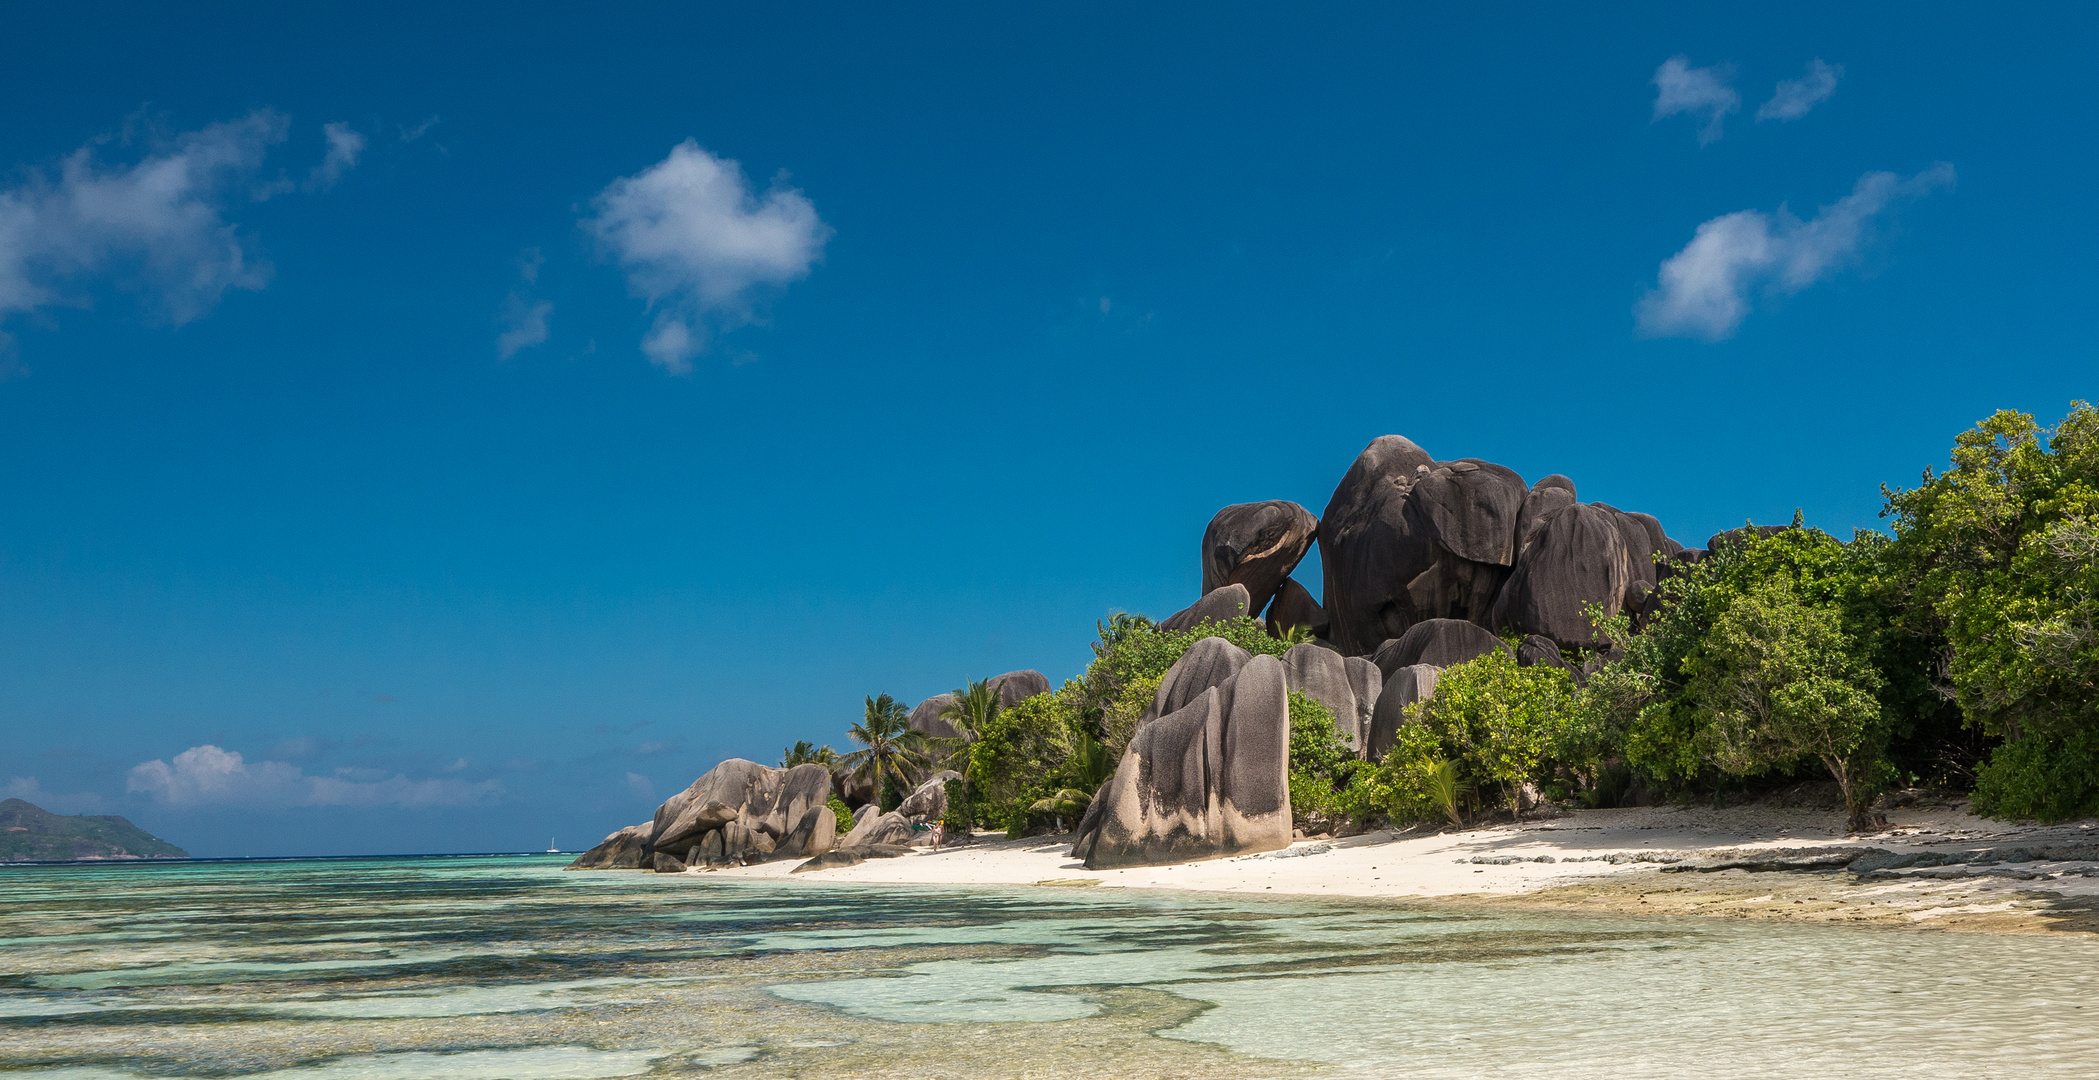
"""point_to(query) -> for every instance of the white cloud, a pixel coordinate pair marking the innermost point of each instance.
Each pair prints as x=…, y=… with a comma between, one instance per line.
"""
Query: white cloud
x=209, y=776
x=702, y=247
x=1704, y=290
x=1681, y=88
x=641, y=788
x=28, y=789
x=157, y=227
x=344, y=145
x=524, y=325
x=411, y=134
x=1796, y=96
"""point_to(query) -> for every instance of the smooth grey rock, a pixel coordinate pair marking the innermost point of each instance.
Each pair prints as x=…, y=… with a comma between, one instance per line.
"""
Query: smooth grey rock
x=753, y=797
x=815, y=834
x=1326, y=677
x=1256, y=545
x=926, y=717
x=1368, y=549
x=664, y=862
x=1368, y=683
x=1403, y=687
x=1437, y=642
x=926, y=803
x=627, y=849
x=1207, y=663
x=1015, y=687
x=1208, y=780
x=1545, y=496
x=1471, y=507
x=1292, y=607
x=1641, y=547
x=849, y=789
x=1657, y=539
x=1538, y=649
x=1226, y=602
x=1577, y=558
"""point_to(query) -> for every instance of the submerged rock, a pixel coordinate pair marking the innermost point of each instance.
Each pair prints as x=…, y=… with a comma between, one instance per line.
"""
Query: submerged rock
x=1206, y=780
x=852, y=856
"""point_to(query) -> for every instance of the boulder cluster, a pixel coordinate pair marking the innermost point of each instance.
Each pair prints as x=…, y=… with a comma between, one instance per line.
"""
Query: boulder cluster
x=1427, y=564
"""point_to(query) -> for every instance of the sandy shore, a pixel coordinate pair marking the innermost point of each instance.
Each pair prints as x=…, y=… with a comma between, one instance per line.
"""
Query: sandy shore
x=1942, y=868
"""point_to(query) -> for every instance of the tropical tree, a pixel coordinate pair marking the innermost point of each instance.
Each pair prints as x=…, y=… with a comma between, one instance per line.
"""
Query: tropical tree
x=804, y=752
x=891, y=751
x=974, y=707
x=1782, y=682
x=1089, y=766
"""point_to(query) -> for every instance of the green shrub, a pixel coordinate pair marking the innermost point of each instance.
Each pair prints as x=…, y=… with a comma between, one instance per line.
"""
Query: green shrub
x=843, y=812
x=1321, y=762
x=1498, y=722
x=2051, y=779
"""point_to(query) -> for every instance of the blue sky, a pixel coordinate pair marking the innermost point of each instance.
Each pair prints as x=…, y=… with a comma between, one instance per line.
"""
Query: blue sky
x=482, y=420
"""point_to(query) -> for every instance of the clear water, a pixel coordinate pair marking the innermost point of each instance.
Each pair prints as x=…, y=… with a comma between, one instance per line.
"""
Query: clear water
x=509, y=969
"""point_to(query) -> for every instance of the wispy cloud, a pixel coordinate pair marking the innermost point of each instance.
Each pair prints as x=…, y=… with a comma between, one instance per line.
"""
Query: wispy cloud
x=28, y=789
x=210, y=776
x=1681, y=88
x=411, y=134
x=524, y=325
x=702, y=247
x=1704, y=291
x=641, y=788
x=344, y=146
x=1796, y=96
x=157, y=226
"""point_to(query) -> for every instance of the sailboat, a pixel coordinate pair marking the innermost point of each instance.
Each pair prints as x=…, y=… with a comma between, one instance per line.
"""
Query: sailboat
x=551, y=849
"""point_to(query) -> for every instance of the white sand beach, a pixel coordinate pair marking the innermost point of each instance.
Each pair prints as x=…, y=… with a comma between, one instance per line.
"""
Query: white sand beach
x=1651, y=860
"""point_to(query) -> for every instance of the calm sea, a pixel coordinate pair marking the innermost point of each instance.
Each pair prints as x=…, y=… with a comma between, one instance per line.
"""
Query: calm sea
x=506, y=967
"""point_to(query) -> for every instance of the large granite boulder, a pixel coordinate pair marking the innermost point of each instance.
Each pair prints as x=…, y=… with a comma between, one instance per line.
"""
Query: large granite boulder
x=741, y=812
x=1405, y=687
x=1207, y=780
x=925, y=717
x=1578, y=557
x=1539, y=649
x=1471, y=508
x=1657, y=539
x=1292, y=607
x=926, y=804
x=1347, y=686
x=627, y=849
x=1545, y=496
x=1217, y=605
x=1369, y=550
x=1437, y=642
x=1256, y=545
x=1207, y=663
x=1641, y=548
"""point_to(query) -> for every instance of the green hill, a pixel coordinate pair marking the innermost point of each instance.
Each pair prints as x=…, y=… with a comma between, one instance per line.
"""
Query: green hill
x=30, y=833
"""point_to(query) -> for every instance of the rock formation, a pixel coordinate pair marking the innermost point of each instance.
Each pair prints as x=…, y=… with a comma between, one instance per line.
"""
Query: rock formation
x=1437, y=642
x=926, y=804
x=738, y=812
x=1256, y=545
x=1217, y=605
x=1368, y=550
x=1206, y=780
x=1406, y=686
x=1294, y=607
x=1348, y=686
x=1578, y=557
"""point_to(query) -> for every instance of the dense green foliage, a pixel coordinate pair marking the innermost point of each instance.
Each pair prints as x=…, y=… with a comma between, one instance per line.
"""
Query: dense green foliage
x=1322, y=764
x=891, y=753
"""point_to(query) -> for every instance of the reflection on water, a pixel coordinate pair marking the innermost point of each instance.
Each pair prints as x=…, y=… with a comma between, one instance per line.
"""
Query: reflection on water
x=509, y=968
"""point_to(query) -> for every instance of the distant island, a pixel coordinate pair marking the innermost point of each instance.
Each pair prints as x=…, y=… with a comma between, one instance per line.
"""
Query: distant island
x=30, y=833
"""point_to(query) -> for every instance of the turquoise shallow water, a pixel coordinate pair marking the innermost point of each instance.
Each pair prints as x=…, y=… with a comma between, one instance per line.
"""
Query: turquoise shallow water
x=509, y=969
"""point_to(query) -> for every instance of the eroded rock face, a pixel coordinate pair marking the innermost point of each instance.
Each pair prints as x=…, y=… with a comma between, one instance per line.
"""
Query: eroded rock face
x=1545, y=496
x=1207, y=663
x=1471, y=508
x=925, y=716
x=1207, y=780
x=1293, y=606
x=1369, y=551
x=1012, y=688
x=1256, y=545
x=741, y=812
x=627, y=849
x=1436, y=642
x=1406, y=686
x=1577, y=558
x=926, y=804
x=1217, y=605
x=1347, y=686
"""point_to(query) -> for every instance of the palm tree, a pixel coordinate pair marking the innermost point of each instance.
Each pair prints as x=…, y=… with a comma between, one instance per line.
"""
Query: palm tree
x=803, y=752
x=1092, y=766
x=892, y=749
x=973, y=708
